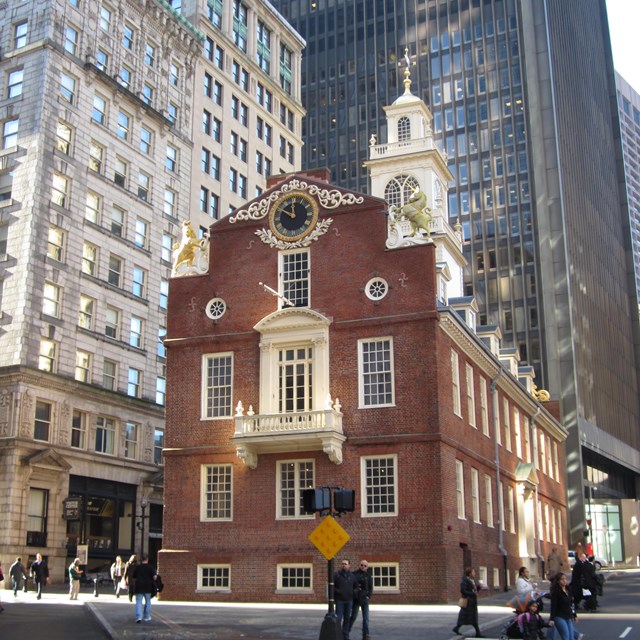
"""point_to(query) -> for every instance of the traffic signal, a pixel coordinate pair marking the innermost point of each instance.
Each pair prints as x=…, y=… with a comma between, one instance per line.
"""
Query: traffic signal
x=316, y=500
x=344, y=500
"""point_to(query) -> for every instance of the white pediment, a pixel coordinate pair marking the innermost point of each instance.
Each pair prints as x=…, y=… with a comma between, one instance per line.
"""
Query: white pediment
x=293, y=319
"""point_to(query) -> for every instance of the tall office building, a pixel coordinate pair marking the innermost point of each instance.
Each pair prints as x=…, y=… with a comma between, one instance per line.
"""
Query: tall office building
x=523, y=100
x=629, y=110
x=119, y=119
x=247, y=112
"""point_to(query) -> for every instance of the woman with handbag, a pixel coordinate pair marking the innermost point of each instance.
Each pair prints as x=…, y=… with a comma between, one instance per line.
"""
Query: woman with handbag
x=468, y=603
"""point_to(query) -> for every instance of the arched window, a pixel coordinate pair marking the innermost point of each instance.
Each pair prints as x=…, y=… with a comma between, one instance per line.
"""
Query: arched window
x=404, y=129
x=399, y=189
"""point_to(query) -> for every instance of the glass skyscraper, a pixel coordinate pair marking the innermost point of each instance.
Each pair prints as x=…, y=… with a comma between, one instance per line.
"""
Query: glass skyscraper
x=524, y=104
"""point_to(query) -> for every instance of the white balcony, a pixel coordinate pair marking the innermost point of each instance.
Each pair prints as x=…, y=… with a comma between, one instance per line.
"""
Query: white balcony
x=281, y=432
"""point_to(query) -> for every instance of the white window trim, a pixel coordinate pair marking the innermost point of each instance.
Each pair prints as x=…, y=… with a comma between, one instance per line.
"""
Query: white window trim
x=300, y=516
x=203, y=493
x=203, y=394
x=488, y=499
x=201, y=589
x=363, y=487
x=361, y=404
x=455, y=382
x=379, y=589
x=484, y=406
x=294, y=565
x=293, y=327
x=471, y=396
x=475, y=495
x=460, y=506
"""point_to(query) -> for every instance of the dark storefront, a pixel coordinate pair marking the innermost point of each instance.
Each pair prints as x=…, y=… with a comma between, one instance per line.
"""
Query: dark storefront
x=106, y=521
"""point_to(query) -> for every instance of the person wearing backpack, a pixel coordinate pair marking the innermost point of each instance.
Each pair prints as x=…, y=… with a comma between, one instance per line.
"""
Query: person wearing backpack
x=531, y=623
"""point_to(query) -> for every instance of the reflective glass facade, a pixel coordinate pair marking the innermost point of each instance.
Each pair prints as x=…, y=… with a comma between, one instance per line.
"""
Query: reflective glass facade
x=523, y=99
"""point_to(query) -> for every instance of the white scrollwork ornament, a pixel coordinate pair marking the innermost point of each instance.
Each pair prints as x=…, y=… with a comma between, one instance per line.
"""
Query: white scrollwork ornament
x=328, y=199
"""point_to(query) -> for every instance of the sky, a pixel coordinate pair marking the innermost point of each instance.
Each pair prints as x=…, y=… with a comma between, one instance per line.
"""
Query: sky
x=624, y=26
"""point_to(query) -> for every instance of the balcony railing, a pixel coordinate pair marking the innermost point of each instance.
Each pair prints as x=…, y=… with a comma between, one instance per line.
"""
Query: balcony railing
x=278, y=432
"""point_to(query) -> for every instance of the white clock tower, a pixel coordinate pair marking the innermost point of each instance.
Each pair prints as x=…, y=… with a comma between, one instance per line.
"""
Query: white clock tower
x=410, y=172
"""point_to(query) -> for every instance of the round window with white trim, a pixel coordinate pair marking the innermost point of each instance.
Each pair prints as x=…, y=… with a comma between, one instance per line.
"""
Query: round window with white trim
x=215, y=308
x=376, y=289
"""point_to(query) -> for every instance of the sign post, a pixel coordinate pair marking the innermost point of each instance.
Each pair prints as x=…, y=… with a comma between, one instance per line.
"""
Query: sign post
x=329, y=537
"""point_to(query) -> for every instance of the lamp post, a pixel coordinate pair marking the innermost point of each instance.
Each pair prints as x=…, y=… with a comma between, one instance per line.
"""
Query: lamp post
x=143, y=517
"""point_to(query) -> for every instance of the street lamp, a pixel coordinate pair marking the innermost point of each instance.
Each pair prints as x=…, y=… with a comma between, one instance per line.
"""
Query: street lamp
x=140, y=524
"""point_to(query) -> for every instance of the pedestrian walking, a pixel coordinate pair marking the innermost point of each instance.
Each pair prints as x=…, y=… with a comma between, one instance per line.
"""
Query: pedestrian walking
x=18, y=573
x=363, y=593
x=128, y=575
x=468, y=614
x=344, y=584
x=75, y=573
x=145, y=576
x=562, y=615
x=117, y=575
x=40, y=574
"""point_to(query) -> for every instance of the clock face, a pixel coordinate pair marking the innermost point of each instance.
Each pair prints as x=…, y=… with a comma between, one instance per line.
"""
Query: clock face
x=293, y=216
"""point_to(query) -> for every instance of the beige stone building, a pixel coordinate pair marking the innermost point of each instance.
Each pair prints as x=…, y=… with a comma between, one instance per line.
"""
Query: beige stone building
x=98, y=170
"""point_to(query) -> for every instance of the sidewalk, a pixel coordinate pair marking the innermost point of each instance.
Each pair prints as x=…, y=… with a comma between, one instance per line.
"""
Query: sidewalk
x=268, y=621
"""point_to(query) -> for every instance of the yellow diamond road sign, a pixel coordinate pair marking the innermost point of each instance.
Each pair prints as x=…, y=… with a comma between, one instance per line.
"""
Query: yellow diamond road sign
x=329, y=537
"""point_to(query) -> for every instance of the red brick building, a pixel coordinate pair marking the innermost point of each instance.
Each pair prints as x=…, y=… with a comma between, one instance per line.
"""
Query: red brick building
x=361, y=372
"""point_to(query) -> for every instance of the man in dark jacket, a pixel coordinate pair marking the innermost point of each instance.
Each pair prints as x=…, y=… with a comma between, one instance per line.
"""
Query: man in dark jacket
x=17, y=573
x=40, y=573
x=344, y=583
x=145, y=576
x=363, y=592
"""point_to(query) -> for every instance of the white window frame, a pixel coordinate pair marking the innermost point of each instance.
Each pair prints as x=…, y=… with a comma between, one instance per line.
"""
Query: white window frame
x=295, y=288
x=368, y=400
x=368, y=498
x=484, y=406
x=52, y=300
x=48, y=358
x=299, y=485
x=79, y=426
x=455, y=383
x=109, y=376
x=223, y=399
x=87, y=312
x=471, y=395
x=131, y=443
x=507, y=424
x=488, y=499
x=225, y=578
x=511, y=508
x=516, y=432
x=82, y=371
x=475, y=495
x=228, y=515
x=460, y=490
x=108, y=426
x=307, y=568
x=386, y=576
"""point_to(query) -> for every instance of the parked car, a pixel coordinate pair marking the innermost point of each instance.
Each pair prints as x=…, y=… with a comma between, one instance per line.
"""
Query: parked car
x=597, y=561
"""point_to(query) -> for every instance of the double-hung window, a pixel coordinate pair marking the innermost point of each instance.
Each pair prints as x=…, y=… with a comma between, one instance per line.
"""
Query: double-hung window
x=105, y=435
x=375, y=362
x=294, y=278
x=294, y=477
x=379, y=477
x=217, y=492
x=217, y=376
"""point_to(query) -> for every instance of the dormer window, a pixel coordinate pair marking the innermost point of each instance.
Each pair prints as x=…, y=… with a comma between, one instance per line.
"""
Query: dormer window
x=404, y=129
x=294, y=278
